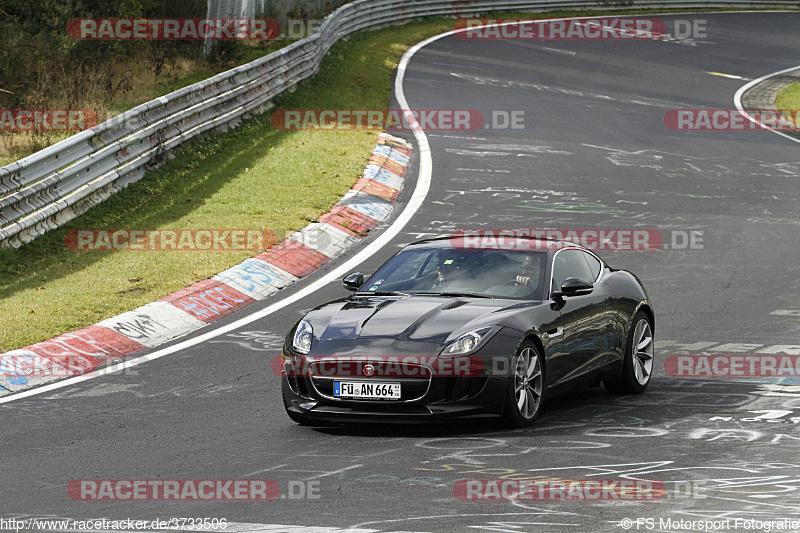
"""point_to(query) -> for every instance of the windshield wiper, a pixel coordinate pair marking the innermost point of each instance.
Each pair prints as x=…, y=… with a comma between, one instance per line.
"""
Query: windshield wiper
x=380, y=293
x=456, y=294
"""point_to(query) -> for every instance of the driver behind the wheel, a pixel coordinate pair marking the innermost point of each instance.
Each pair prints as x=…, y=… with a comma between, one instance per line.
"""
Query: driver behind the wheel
x=528, y=275
x=451, y=271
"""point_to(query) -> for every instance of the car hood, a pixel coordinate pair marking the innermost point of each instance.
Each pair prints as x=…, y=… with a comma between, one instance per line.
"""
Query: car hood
x=428, y=319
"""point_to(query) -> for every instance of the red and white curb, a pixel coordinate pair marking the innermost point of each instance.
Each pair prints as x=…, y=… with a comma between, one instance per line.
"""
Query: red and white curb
x=366, y=205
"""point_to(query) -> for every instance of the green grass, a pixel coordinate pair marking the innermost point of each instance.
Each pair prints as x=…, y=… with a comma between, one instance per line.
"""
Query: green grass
x=789, y=98
x=284, y=181
x=16, y=145
x=253, y=177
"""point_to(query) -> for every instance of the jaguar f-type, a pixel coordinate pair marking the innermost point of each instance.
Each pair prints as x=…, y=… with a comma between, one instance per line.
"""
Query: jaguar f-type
x=455, y=329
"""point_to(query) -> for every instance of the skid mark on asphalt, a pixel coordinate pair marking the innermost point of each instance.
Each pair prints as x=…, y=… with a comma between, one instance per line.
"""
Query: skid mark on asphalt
x=511, y=84
x=259, y=341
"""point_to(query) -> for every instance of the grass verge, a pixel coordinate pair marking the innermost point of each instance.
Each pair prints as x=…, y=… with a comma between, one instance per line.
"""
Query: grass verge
x=789, y=98
x=254, y=177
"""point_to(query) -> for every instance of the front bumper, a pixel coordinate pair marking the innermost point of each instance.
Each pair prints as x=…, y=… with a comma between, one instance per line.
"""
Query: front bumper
x=487, y=403
x=426, y=397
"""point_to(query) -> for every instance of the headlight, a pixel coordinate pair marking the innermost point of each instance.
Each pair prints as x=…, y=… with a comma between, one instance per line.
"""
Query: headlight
x=302, y=337
x=466, y=342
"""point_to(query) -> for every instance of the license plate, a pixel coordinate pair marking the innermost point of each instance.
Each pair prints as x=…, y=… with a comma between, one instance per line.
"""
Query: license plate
x=364, y=390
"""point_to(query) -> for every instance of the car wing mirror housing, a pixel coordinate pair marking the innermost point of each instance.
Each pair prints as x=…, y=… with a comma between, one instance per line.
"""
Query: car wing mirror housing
x=574, y=287
x=354, y=281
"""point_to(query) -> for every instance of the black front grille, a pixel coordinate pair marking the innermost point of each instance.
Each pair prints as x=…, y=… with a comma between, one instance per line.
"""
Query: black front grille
x=414, y=381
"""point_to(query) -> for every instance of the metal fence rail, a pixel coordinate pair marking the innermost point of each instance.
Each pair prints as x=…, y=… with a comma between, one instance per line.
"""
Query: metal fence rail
x=52, y=186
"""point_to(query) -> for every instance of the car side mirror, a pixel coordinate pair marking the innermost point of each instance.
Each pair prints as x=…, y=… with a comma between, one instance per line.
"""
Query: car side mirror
x=354, y=281
x=574, y=287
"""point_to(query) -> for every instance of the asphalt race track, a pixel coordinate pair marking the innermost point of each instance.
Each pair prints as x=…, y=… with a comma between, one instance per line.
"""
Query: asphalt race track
x=594, y=153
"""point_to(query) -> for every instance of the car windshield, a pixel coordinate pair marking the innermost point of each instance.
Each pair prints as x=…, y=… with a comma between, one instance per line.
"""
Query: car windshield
x=451, y=272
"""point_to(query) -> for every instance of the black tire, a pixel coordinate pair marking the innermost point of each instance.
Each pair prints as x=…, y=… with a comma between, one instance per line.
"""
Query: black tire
x=525, y=387
x=637, y=364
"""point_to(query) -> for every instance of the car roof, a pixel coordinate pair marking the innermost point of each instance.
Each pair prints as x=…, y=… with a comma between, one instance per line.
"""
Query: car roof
x=520, y=242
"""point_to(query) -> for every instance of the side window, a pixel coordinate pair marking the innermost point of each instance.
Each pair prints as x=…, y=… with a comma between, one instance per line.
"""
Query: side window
x=570, y=264
x=595, y=266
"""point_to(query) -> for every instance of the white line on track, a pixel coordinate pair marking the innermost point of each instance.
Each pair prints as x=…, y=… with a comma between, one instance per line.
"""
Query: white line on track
x=420, y=192
x=417, y=198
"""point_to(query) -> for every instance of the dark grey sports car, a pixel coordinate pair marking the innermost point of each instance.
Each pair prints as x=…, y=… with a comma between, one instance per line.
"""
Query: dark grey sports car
x=454, y=329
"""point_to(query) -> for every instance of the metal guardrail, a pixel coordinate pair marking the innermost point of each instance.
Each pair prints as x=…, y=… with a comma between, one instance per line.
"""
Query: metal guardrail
x=52, y=186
